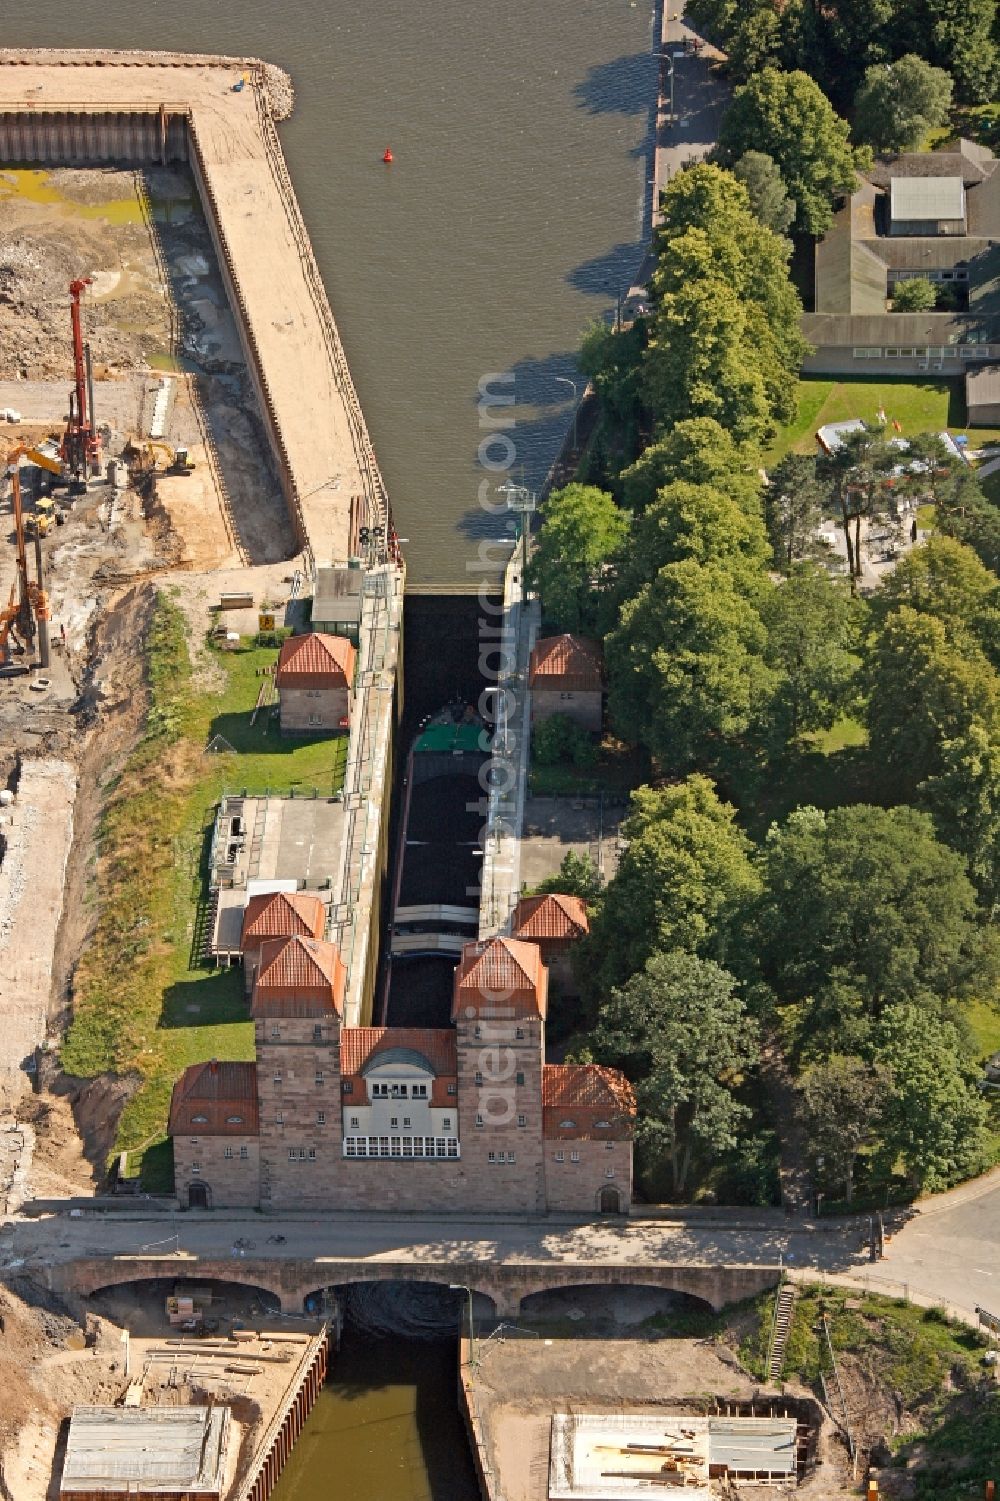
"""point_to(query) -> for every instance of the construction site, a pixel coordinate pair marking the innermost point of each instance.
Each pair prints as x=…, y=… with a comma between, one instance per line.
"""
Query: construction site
x=176, y=413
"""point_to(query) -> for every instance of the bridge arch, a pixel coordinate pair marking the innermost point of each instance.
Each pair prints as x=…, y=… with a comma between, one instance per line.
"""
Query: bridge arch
x=436, y=1293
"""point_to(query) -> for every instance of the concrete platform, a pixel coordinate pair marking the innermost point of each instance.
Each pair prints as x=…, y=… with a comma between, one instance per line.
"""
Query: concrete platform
x=290, y=844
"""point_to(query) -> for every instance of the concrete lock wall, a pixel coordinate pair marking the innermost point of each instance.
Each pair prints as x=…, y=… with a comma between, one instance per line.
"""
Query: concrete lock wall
x=87, y=138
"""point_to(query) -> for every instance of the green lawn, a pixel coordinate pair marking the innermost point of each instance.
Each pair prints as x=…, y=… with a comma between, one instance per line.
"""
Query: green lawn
x=918, y=406
x=144, y=1006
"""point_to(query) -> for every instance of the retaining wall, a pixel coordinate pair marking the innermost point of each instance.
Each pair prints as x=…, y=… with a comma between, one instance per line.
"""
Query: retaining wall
x=87, y=138
x=279, y=1437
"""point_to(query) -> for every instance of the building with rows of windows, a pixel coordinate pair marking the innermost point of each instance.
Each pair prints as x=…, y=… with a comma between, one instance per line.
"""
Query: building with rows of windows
x=468, y=1117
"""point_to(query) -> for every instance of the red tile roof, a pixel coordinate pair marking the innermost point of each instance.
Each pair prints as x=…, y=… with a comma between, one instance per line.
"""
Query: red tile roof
x=316, y=661
x=502, y=978
x=586, y=1102
x=572, y=664
x=551, y=916
x=215, y=1099
x=360, y=1045
x=277, y=914
x=299, y=977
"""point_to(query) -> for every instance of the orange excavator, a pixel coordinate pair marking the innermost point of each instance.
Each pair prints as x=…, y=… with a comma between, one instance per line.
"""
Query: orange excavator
x=27, y=612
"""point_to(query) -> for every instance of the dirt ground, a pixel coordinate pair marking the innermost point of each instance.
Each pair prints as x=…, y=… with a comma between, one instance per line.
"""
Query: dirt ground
x=53, y=1357
x=156, y=312
x=600, y=1350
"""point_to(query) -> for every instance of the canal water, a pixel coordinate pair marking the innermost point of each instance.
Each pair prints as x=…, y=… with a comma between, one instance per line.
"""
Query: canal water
x=386, y=1426
x=513, y=215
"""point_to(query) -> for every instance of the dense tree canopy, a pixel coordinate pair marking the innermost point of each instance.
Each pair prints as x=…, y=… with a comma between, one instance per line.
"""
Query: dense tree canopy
x=946, y=580
x=686, y=665
x=787, y=116
x=684, y=875
x=935, y=1118
x=700, y=523
x=843, y=1101
x=698, y=450
x=794, y=502
x=898, y=103
x=725, y=340
x=924, y=690
x=813, y=638
x=768, y=195
x=862, y=908
x=582, y=531
x=681, y=1032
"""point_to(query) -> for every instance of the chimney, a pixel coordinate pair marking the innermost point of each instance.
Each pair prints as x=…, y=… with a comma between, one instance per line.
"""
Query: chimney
x=213, y=1067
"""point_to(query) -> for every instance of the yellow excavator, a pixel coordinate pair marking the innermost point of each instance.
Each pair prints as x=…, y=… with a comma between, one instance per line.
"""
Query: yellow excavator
x=142, y=455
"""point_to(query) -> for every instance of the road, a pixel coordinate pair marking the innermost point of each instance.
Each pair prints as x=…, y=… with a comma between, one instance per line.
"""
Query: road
x=700, y=98
x=945, y=1253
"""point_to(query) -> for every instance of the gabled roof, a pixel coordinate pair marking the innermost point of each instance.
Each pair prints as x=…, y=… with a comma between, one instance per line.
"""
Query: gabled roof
x=278, y=914
x=550, y=916
x=215, y=1099
x=360, y=1047
x=586, y=1101
x=316, y=661
x=299, y=977
x=502, y=978
x=569, y=663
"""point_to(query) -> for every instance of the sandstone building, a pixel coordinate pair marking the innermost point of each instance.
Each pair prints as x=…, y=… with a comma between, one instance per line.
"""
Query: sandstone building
x=315, y=678
x=566, y=676
x=465, y=1118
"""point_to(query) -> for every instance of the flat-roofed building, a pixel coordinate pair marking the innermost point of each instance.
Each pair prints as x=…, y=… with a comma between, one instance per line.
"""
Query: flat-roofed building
x=147, y=1453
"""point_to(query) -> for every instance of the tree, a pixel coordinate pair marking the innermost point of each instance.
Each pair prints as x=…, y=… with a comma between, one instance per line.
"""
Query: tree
x=683, y=877
x=788, y=117
x=701, y=451
x=965, y=515
x=923, y=691
x=918, y=295
x=813, y=635
x=959, y=35
x=582, y=531
x=577, y=876
x=686, y=665
x=612, y=361
x=898, y=103
x=725, y=340
x=843, y=1100
x=698, y=522
x=935, y=1119
x=559, y=740
x=964, y=799
x=768, y=196
x=947, y=580
x=870, y=899
x=753, y=33
x=858, y=474
x=793, y=511
x=680, y=1031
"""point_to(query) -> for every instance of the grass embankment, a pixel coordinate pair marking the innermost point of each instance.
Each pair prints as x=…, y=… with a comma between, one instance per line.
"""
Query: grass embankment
x=917, y=1369
x=923, y=406
x=145, y=1006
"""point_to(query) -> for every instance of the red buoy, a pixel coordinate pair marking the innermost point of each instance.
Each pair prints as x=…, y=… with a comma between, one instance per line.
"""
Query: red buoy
x=387, y=155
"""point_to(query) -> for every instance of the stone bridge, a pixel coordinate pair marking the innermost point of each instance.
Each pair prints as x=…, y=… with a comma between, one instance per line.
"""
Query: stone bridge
x=504, y=1283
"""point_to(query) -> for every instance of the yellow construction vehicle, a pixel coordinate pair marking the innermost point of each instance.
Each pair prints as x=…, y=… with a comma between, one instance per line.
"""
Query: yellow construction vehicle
x=44, y=461
x=42, y=518
x=142, y=456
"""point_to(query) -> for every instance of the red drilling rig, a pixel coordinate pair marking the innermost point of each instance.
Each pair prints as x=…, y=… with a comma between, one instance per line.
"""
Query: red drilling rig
x=81, y=447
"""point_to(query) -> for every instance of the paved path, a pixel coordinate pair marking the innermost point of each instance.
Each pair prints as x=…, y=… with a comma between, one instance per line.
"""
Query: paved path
x=700, y=98
x=945, y=1253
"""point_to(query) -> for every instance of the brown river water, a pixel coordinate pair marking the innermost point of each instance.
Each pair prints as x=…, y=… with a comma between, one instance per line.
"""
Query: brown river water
x=514, y=214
